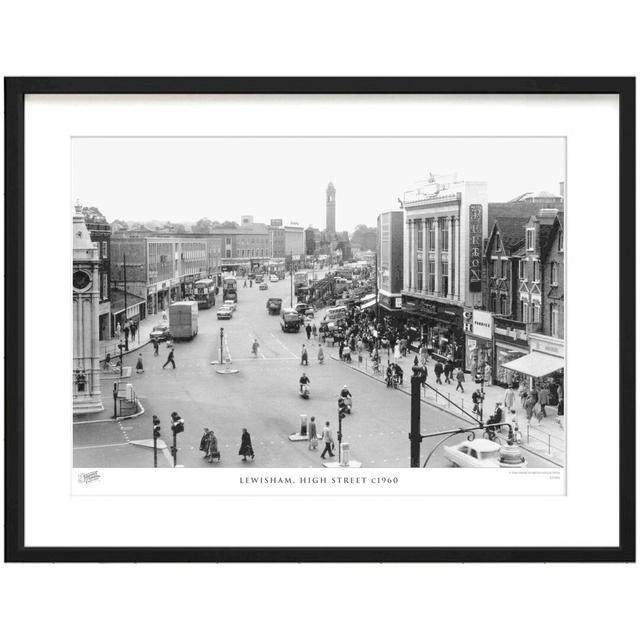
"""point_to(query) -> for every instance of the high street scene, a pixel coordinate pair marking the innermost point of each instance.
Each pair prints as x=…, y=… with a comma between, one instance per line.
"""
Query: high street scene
x=417, y=322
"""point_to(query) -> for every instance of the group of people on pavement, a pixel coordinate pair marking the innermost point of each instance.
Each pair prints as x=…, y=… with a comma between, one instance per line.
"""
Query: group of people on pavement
x=209, y=445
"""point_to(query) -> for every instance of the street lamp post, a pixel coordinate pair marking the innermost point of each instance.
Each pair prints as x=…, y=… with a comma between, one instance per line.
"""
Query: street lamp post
x=115, y=399
x=340, y=417
x=414, y=435
x=121, y=347
x=156, y=435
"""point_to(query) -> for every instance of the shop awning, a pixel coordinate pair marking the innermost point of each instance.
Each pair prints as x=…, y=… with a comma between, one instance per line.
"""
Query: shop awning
x=368, y=297
x=536, y=364
x=117, y=301
x=366, y=305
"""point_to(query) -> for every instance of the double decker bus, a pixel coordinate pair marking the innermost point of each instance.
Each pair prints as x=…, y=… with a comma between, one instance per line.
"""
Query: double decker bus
x=229, y=288
x=205, y=293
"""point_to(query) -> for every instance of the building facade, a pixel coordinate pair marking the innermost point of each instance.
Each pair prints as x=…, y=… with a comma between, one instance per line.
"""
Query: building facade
x=390, y=252
x=294, y=240
x=159, y=270
x=276, y=240
x=445, y=227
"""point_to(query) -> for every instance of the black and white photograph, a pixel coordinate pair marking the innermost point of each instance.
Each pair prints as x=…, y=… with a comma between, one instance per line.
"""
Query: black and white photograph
x=319, y=302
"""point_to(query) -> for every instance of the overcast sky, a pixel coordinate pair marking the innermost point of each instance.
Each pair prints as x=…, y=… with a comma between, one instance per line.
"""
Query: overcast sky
x=185, y=179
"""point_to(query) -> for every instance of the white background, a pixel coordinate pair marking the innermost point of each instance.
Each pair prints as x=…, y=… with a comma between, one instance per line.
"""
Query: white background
x=54, y=517
x=490, y=38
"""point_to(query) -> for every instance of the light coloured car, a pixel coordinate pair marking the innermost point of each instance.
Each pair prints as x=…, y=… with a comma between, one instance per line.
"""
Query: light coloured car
x=273, y=278
x=479, y=453
x=160, y=333
x=232, y=304
x=224, y=313
x=263, y=286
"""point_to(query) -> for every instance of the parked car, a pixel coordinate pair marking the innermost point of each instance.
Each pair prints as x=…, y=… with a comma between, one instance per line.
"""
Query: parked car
x=225, y=313
x=160, y=333
x=273, y=278
x=259, y=277
x=232, y=304
x=263, y=286
x=479, y=453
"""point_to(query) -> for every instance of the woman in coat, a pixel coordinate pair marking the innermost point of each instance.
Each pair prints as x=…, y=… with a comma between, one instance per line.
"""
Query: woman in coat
x=245, y=446
x=509, y=399
x=212, y=451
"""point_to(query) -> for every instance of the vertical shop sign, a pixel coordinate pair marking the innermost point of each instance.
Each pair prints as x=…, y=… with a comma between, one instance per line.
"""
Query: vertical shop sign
x=475, y=247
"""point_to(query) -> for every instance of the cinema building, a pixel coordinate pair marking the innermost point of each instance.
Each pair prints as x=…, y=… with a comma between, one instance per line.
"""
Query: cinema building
x=445, y=228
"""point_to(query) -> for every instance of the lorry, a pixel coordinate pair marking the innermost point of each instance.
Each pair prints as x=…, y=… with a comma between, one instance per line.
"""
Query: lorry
x=183, y=320
x=274, y=305
x=230, y=288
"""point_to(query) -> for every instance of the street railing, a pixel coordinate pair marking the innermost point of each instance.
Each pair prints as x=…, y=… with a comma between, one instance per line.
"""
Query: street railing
x=538, y=438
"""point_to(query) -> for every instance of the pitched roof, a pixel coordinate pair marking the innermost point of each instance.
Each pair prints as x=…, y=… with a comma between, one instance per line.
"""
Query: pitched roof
x=511, y=230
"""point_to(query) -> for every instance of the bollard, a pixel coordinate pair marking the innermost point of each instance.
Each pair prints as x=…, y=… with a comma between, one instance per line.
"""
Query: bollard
x=345, y=454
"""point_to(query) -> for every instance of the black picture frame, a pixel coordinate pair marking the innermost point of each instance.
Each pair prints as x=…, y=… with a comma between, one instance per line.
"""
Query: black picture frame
x=15, y=91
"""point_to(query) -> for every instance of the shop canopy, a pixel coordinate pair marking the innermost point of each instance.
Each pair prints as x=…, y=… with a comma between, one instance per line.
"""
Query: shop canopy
x=536, y=364
x=366, y=305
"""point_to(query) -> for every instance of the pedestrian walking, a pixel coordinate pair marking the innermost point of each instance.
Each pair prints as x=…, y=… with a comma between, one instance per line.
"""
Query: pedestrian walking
x=543, y=399
x=346, y=353
x=156, y=346
x=477, y=397
x=327, y=438
x=522, y=392
x=118, y=330
x=255, y=346
x=487, y=375
x=170, y=359
x=460, y=379
x=313, y=434
x=308, y=331
x=134, y=328
x=315, y=330
x=139, y=365
x=396, y=353
x=529, y=404
x=246, y=449
x=448, y=371
x=164, y=316
x=340, y=349
x=209, y=444
x=424, y=354
x=438, y=369
x=107, y=362
x=509, y=399
x=245, y=284
x=304, y=356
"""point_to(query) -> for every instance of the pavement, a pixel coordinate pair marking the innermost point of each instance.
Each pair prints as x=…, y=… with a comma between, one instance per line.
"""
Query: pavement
x=142, y=337
x=262, y=396
x=545, y=437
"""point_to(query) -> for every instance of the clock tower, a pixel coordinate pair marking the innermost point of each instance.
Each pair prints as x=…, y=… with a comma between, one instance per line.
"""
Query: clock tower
x=87, y=397
x=331, y=210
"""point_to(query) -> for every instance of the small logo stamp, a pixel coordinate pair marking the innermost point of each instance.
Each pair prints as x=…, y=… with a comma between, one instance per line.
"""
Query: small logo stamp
x=86, y=478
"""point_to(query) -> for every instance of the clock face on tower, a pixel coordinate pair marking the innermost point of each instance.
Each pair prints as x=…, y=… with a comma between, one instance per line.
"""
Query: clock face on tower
x=81, y=280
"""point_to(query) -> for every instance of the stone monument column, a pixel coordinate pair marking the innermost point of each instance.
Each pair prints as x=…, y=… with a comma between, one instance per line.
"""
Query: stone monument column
x=87, y=397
